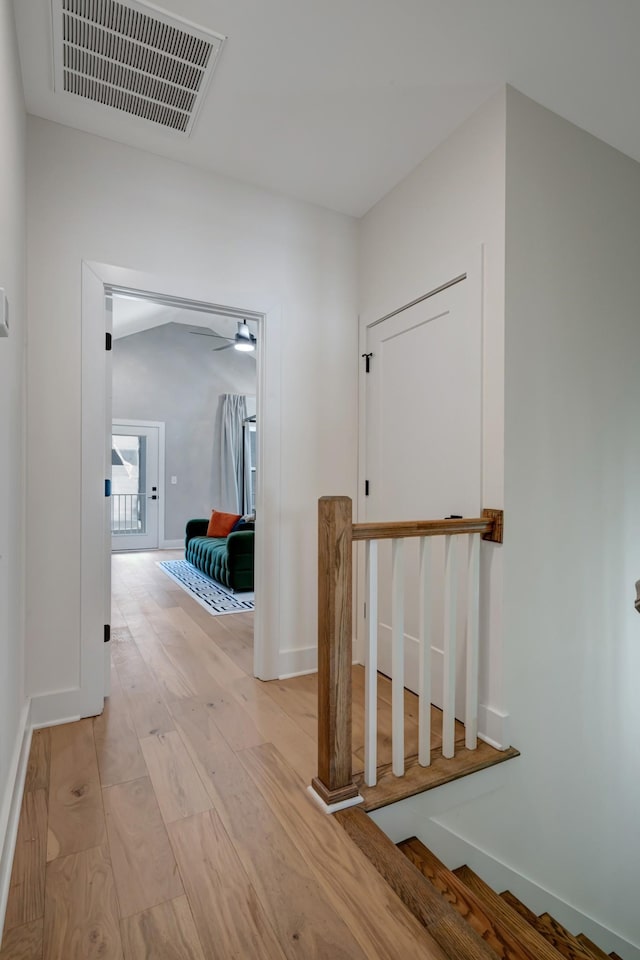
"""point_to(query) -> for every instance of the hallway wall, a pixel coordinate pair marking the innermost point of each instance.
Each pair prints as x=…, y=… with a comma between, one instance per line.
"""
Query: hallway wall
x=12, y=422
x=98, y=200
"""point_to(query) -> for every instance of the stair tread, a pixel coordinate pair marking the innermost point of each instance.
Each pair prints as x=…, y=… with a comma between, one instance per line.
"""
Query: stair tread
x=519, y=906
x=529, y=936
x=564, y=941
x=592, y=947
x=444, y=925
x=549, y=927
x=502, y=941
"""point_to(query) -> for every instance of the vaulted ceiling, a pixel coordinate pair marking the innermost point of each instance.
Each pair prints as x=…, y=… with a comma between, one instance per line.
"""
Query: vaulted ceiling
x=335, y=101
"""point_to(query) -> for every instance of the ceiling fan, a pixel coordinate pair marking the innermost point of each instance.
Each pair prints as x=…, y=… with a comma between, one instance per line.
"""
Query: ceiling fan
x=244, y=340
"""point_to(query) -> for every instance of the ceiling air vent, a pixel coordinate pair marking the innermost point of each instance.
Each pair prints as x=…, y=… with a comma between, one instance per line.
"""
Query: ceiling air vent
x=133, y=58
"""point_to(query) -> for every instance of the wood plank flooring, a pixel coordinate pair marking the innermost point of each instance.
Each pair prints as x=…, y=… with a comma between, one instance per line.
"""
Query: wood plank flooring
x=177, y=826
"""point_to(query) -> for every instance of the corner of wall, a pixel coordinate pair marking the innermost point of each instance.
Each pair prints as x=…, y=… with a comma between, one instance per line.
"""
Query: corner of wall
x=11, y=802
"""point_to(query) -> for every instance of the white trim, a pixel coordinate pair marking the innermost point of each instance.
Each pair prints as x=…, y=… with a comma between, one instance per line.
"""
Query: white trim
x=267, y=583
x=55, y=723
x=172, y=544
x=61, y=706
x=334, y=807
x=494, y=725
x=295, y=663
x=310, y=670
x=94, y=506
x=100, y=278
x=11, y=804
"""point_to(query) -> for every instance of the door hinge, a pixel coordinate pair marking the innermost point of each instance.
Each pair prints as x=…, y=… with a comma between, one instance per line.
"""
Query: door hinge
x=365, y=611
x=107, y=632
x=367, y=362
x=366, y=488
x=107, y=487
x=108, y=339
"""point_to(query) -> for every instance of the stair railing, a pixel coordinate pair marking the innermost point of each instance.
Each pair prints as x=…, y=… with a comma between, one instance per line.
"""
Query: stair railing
x=336, y=535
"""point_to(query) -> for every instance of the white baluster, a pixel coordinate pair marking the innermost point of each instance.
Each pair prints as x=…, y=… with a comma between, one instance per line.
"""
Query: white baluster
x=371, y=668
x=449, y=669
x=397, y=657
x=473, y=634
x=424, y=680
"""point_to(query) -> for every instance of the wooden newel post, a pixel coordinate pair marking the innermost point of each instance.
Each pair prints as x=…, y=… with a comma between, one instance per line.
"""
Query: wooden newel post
x=334, y=781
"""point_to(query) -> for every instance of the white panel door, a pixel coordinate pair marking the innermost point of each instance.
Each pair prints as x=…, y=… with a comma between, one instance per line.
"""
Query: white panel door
x=135, y=486
x=423, y=443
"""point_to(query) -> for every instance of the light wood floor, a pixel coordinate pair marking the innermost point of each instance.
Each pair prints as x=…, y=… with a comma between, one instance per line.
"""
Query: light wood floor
x=177, y=826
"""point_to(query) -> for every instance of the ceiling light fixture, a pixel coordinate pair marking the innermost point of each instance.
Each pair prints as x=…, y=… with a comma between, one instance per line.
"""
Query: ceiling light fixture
x=243, y=339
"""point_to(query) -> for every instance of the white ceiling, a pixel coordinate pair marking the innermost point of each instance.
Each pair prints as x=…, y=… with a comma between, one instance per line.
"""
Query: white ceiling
x=335, y=101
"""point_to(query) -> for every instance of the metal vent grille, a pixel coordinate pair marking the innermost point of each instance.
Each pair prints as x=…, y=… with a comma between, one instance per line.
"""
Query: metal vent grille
x=133, y=58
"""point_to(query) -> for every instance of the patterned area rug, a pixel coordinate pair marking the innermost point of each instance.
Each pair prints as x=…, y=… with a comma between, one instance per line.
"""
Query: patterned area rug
x=211, y=595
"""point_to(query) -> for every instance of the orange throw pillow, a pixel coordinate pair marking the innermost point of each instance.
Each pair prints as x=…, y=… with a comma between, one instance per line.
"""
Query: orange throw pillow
x=221, y=524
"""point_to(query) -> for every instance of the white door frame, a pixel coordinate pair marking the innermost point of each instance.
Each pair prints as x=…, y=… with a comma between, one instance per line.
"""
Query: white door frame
x=97, y=279
x=161, y=468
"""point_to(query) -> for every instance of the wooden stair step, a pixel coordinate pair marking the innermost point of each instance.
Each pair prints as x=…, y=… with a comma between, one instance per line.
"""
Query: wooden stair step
x=614, y=956
x=456, y=938
x=565, y=942
x=593, y=948
x=519, y=907
x=468, y=905
x=535, y=943
x=557, y=935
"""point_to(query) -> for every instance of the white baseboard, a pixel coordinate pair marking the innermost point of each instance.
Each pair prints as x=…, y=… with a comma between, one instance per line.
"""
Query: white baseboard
x=298, y=663
x=172, y=544
x=419, y=816
x=493, y=727
x=61, y=706
x=295, y=663
x=11, y=804
x=55, y=723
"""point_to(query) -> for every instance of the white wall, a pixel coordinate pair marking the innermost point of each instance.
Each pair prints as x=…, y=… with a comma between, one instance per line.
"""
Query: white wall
x=436, y=223
x=567, y=816
x=12, y=279
x=93, y=199
x=167, y=374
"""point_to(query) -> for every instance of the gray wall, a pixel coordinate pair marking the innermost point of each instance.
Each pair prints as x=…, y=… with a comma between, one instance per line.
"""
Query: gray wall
x=169, y=375
x=12, y=419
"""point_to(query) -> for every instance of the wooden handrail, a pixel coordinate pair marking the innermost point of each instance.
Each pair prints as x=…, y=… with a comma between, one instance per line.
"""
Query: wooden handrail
x=336, y=533
x=419, y=528
x=490, y=525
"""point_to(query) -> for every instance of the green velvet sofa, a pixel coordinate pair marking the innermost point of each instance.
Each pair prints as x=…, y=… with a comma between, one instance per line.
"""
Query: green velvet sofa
x=229, y=560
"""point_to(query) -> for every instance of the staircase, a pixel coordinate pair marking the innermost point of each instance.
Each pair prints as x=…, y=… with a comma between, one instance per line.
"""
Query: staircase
x=467, y=919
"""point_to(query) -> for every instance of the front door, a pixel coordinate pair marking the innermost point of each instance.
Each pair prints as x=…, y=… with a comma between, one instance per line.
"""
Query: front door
x=135, y=486
x=423, y=440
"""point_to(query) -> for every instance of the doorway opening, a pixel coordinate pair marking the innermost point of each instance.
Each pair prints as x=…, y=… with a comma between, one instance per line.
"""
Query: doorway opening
x=100, y=282
x=190, y=370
